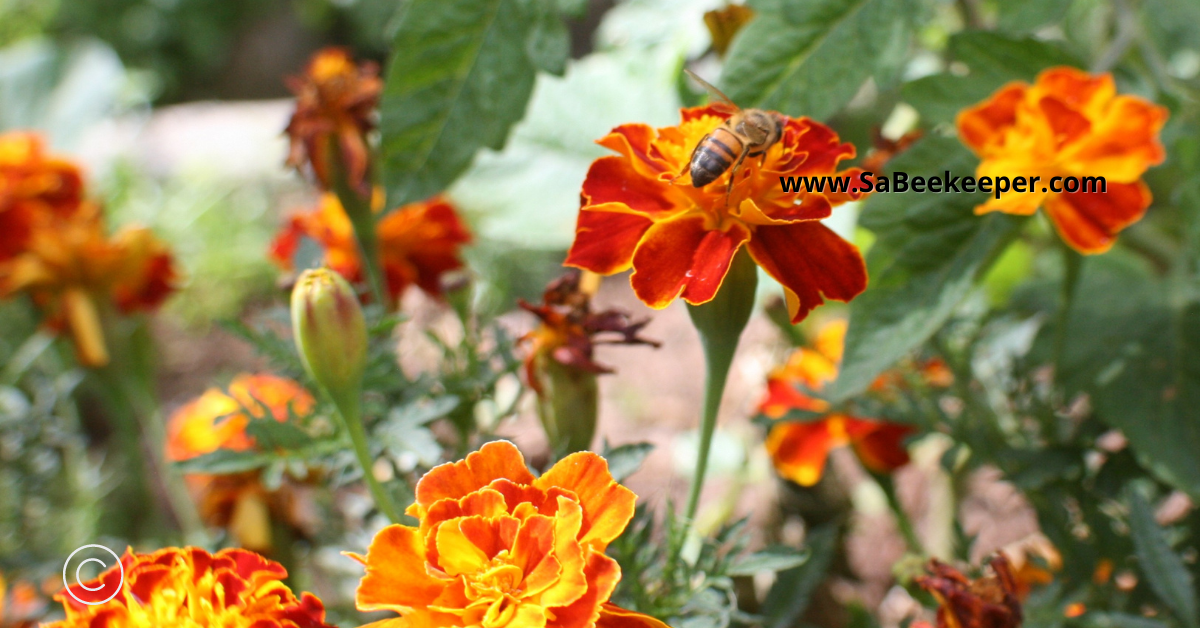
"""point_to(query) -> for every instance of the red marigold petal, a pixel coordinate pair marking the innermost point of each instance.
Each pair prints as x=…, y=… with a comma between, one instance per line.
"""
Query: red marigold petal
x=664, y=259
x=815, y=148
x=607, y=506
x=616, y=180
x=613, y=616
x=1076, y=87
x=711, y=263
x=879, y=444
x=605, y=241
x=783, y=396
x=1090, y=221
x=602, y=574
x=812, y=262
x=396, y=578
x=1066, y=123
x=1124, y=142
x=983, y=125
x=633, y=142
x=453, y=480
x=799, y=450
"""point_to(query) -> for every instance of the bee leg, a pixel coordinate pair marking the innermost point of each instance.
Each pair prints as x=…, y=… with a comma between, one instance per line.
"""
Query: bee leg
x=733, y=173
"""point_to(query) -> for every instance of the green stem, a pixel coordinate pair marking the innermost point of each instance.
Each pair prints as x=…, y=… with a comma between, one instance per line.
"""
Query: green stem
x=351, y=414
x=720, y=323
x=1072, y=262
x=362, y=218
x=903, y=522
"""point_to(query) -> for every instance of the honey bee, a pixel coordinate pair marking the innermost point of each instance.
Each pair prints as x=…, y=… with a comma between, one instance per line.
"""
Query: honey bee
x=747, y=133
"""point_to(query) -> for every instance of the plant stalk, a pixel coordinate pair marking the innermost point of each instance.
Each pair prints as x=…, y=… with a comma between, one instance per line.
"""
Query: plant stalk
x=351, y=413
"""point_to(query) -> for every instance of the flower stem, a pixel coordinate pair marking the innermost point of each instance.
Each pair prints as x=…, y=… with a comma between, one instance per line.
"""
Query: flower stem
x=903, y=522
x=351, y=413
x=362, y=217
x=720, y=323
x=1072, y=262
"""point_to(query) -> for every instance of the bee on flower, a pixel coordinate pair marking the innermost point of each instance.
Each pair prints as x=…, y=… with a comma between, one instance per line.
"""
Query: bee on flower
x=418, y=243
x=680, y=240
x=188, y=586
x=494, y=546
x=217, y=420
x=1068, y=123
x=54, y=247
x=560, y=366
x=799, y=449
x=335, y=105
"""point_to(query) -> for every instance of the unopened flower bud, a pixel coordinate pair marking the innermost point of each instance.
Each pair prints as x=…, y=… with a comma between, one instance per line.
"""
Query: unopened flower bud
x=330, y=332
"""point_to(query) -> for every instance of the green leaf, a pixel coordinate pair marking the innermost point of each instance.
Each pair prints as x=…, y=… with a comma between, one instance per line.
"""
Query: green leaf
x=990, y=60
x=774, y=558
x=1119, y=620
x=1024, y=16
x=1161, y=566
x=459, y=77
x=929, y=252
x=810, y=57
x=789, y=596
x=624, y=460
x=269, y=434
x=224, y=461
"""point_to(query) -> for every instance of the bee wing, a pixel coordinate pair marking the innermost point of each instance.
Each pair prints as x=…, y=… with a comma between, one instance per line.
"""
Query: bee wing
x=723, y=101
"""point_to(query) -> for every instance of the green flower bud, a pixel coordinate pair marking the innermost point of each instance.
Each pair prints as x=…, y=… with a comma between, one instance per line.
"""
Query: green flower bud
x=568, y=401
x=330, y=333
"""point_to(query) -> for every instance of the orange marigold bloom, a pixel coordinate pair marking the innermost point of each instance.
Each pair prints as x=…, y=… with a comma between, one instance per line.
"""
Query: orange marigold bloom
x=190, y=588
x=20, y=606
x=417, y=243
x=680, y=240
x=799, y=449
x=335, y=104
x=1068, y=123
x=497, y=547
x=34, y=188
x=217, y=420
x=987, y=602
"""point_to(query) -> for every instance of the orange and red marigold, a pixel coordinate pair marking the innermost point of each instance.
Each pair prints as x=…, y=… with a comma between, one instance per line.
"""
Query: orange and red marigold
x=987, y=602
x=190, y=588
x=418, y=243
x=799, y=449
x=497, y=547
x=680, y=240
x=1068, y=123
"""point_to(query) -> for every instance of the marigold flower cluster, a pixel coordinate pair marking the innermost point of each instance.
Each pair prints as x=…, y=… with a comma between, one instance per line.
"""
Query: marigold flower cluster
x=497, y=547
x=418, y=243
x=680, y=240
x=54, y=246
x=216, y=420
x=1069, y=123
x=190, y=588
x=799, y=449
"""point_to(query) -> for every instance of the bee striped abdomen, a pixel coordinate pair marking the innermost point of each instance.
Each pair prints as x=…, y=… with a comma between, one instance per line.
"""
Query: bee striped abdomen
x=713, y=156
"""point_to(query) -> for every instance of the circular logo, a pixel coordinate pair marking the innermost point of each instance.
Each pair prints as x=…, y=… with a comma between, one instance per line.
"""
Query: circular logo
x=79, y=581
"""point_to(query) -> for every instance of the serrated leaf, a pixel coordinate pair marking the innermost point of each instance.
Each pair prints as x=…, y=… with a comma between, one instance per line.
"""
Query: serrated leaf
x=991, y=60
x=929, y=252
x=225, y=461
x=789, y=596
x=624, y=460
x=459, y=77
x=1160, y=565
x=421, y=412
x=809, y=57
x=774, y=558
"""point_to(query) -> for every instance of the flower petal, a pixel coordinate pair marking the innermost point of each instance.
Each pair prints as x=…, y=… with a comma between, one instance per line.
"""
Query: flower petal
x=615, y=180
x=664, y=258
x=602, y=574
x=983, y=126
x=607, y=506
x=879, y=444
x=799, y=450
x=495, y=460
x=396, y=578
x=605, y=241
x=1089, y=221
x=812, y=262
x=613, y=616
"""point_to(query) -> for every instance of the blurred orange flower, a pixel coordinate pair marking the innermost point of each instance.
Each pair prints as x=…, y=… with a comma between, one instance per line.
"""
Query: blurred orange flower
x=1068, y=123
x=724, y=23
x=799, y=450
x=986, y=602
x=20, y=606
x=54, y=246
x=217, y=420
x=499, y=548
x=189, y=587
x=417, y=242
x=335, y=105
x=680, y=240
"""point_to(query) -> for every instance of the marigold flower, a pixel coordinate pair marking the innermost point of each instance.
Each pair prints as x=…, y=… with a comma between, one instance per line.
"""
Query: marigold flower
x=217, y=420
x=418, y=243
x=986, y=602
x=680, y=240
x=1068, y=123
x=34, y=188
x=190, y=588
x=799, y=449
x=20, y=606
x=335, y=104
x=499, y=548
x=559, y=365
